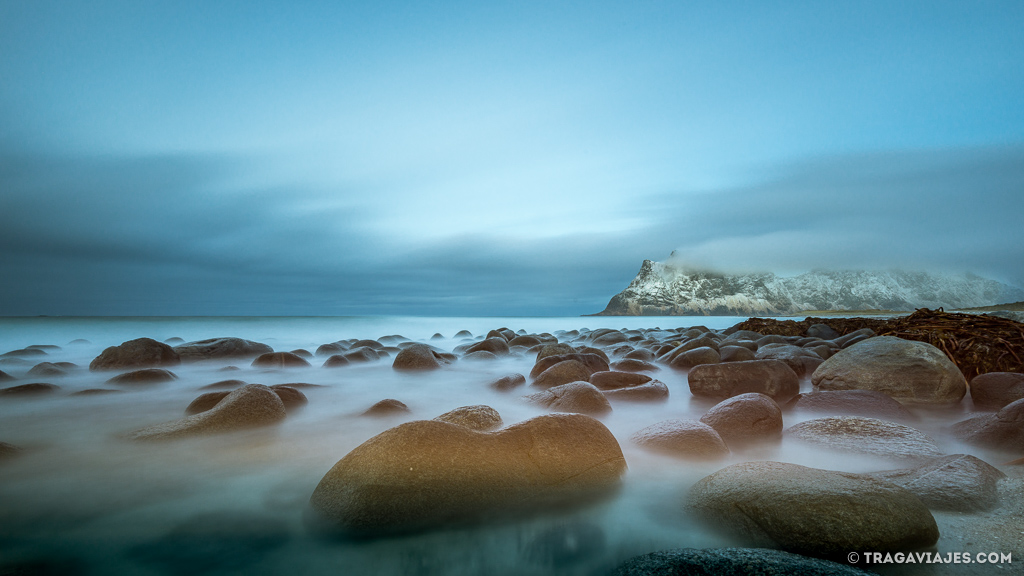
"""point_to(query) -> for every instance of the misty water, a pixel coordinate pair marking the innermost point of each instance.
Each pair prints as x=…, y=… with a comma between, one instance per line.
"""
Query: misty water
x=81, y=498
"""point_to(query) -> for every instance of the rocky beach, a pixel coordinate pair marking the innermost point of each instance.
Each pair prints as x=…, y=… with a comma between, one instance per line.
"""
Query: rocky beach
x=501, y=450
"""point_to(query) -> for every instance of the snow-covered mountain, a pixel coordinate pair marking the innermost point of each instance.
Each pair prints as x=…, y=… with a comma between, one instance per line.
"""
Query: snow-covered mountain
x=661, y=289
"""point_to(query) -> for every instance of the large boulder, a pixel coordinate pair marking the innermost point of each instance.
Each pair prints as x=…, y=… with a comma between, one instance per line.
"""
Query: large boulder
x=865, y=436
x=248, y=407
x=909, y=371
x=579, y=397
x=428, y=474
x=1003, y=430
x=810, y=511
x=419, y=357
x=138, y=353
x=143, y=376
x=33, y=389
x=593, y=362
x=695, y=357
x=216, y=348
x=629, y=386
x=46, y=370
x=769, y=377
x=801, y=360
x=507, y=382
x=562, y=373
x=959, y=482
x=750, y=417
x=494, y=345
x=732, y=562
x=682, y=438
x=852, y=402
x=993, y=390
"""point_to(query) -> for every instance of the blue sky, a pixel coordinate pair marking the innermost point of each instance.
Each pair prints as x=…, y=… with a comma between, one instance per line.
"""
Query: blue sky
x=466, y=158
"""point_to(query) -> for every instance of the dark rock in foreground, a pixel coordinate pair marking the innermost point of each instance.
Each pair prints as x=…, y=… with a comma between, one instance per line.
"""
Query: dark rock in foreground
x=138, y=353
x=810, y=511
x=732, y=562
x=428, y=474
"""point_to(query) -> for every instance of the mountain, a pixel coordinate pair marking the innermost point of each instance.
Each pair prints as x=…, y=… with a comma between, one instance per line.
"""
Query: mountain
x=662, y=289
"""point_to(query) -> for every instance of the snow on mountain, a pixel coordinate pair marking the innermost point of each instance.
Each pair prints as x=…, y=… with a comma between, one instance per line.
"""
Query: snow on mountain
x=661, y=289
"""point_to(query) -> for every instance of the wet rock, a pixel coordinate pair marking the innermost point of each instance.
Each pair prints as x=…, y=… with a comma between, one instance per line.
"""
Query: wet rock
x=336, y=361
x=24, y=352
x=420, y=357
x=331, y=349
x=801, y=360
x=736, y=354
x=1003, y=430
x=144, y=376
x=554, y=350
x=362, y=354
x=33, y=389
x=682, y=438
x=480, y=355
x=527, y=341
x=220, y=348
x=696, y=357
x=387, y=407
x=562, y=373
x=610, y=337
x=463, y=334
x=251, y=406
x=745, y=418
x=279, y=360
x=214, y=543
x=852, y=402
x=958, y=482
x=290, y=396
x=367, y=344
x=641, y=354
x=865, y=436
x=633, y=365
x=494, y=345
x=205, y=401
x=578, y=397
x=592, y=362
x=908, y=371
x=823, y=331
x=810, y=511
x=138, y=353
x=612, y=380
x=46, y=370
x=854, y=337
x=995, y=390
x=302, y=352
x=508, y=382
x=732, y=562
x=564, y=545
x=770, y=377
x=480, y=418
x=428, y=474
x=629, y=386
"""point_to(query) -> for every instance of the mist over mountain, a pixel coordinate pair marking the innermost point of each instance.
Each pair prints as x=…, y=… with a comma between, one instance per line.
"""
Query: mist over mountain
x=670, y=289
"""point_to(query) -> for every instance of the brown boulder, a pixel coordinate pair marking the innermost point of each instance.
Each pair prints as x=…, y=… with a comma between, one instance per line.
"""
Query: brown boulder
x=593, y=362
x=387, y=407
x=696, y=357
x=562, y=373
x=1003, y=430
x=578, y=397
x=279, y=360
x=745, y=418
x=508, y=382
x=251, y=406
x=958, y=482
x=220, y=348
x=429, y=474
x=865, y=436
x=480, y=418
x=995, y=390
x=144, y=376
x=420, y=357
x=138, y=353
x=33, y=389
x=852, y=402
x=682, y=438
x=770, y=377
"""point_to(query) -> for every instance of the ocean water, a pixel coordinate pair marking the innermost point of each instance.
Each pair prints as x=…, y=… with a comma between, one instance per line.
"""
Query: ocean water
x=82, y=499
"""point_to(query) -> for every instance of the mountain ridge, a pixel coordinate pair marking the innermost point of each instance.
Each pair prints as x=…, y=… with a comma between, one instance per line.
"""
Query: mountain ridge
x=663, y=289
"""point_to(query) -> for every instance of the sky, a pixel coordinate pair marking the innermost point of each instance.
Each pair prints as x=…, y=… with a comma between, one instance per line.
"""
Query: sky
x=493, y=158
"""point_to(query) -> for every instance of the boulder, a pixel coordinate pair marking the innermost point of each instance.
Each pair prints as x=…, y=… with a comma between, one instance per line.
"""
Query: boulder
x=959, y=482
x=387, y=407
x=527, y=341
x=138, y=353
x=612, y=380
x=909, y=371
x=330, y=349
x=633, y=365
x=507, y=382
x=419, y=357
x=608, y=338
x=279, y=360
x=865, y=436
x=810, y=511
x=218, y=348
x=562, y=373
x=556, y=349
x=1003, y=430
x=770, y=377
x=823, y=331
x=852, y=402
x=375, y=345
x=205, y=401
x=745, y=418
x=652, y=391
x=736, y=354
x=428, y=474
x=854, y=337
x=143, y=376
x=24, y=352
x=250, y=406
x=46, y=370
x=362, y=354
x=629, y=386
x=33, y=389
x=695, y=357
x=994, y=390
x=495, y=345
x=593, y=362
x=225, y=385
x=682, y=438
x=700, y=342
x=336, y=361
x=290, y=396
x=801, y=360
x=578, y=397
x=480, y=356
x=642, y=354
x=480, y=418
x=732, y=562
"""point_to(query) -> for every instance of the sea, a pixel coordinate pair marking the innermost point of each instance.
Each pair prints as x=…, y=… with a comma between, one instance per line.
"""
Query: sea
x=80, y=498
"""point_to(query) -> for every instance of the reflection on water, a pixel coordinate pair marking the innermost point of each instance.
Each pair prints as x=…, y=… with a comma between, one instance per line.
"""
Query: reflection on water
x=80, y=498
